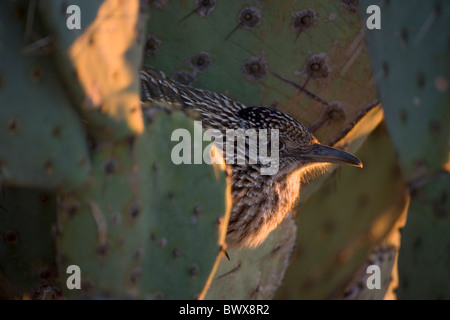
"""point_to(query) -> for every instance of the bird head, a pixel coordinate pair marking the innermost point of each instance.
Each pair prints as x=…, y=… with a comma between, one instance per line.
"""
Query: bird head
x=297, y=147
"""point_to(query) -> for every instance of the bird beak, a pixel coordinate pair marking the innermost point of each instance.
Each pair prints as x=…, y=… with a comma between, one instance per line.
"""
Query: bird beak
x=321, y=153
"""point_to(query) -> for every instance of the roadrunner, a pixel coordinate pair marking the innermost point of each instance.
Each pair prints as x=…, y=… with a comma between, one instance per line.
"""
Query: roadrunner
x=260, y=202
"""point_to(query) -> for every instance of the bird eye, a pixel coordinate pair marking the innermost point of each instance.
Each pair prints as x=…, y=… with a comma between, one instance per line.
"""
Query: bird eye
x=278, y=143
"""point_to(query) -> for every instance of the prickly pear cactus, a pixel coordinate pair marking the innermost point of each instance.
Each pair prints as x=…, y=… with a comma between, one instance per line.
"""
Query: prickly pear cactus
x=154, y=238
x=305, y=58
x=368, y=286
x=423, y=258
x=137, y=219
x=27, y=253
x=139, y=226
x=255, y=273
x=42, y=144
x=99, y=62
x=411, y=64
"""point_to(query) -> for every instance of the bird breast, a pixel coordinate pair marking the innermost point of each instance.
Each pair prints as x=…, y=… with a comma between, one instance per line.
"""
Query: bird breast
x=260, y=203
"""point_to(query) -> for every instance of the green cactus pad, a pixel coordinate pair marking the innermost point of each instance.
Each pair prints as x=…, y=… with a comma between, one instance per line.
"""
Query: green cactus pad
x=236, y=47
x=27, y=254
x=144, y=227
x=341, y=222
x=100, y=62
x=384, y=258
x=41, y=138
x=411, y=66
x=423, y=258
x=255, y=273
